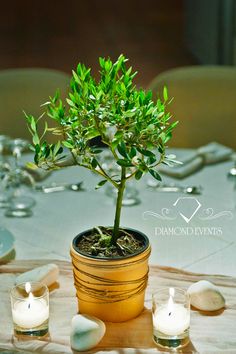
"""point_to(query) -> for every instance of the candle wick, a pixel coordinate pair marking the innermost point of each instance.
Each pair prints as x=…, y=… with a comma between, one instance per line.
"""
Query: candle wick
x=29, y=305
x=169, y=313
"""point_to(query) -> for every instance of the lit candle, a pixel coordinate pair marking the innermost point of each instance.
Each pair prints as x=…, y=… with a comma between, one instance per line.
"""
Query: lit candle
x=30, y=312
x=171, y=317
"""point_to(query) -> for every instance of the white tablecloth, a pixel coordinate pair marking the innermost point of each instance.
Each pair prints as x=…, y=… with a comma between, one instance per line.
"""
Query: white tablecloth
x=198, y=245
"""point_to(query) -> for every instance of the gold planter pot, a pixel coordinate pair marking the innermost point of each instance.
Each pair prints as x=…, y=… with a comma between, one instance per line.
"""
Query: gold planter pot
x=111, y=289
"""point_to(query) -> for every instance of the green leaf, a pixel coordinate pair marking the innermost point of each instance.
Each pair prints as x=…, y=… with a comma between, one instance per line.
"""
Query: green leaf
x=96, y=151
x=118, y=134
x=94, y=163
x=101, y=183
x=146, y=152
x=138, y=174
x=92, y=133
x=75, y=76
x=114, y=144
x=122, y=149
x=101, y=62
x=70, y=103
x=165, y=93
x=68, y=144
x=132, y=152
x=33, y=125
x=155, y=174
x=31, y=166
x=57, y=148
x=59, y=151
x=160, y=149
x=151, y=160
x=124, y=163
x=150, y=110
x=45, y=104
x=35, y=139
x=174, y=124
x=56, y=96
x=168, y=137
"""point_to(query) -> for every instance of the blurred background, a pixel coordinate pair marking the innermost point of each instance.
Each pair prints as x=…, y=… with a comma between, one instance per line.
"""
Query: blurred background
x=59, y=34
x=155, y=35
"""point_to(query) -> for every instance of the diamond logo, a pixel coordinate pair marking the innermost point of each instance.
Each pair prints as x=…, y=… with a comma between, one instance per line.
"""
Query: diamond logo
x=193, y=206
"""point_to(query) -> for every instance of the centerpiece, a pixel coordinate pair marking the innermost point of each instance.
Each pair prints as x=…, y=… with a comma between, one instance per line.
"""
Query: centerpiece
x=110, y=263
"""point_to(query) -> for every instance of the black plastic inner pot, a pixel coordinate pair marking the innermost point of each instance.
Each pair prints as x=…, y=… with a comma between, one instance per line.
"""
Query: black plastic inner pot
x=137, y=234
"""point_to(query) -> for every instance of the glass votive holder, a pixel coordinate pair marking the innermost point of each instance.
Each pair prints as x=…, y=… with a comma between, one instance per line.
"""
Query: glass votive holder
x=30, y=309
x=171, y=318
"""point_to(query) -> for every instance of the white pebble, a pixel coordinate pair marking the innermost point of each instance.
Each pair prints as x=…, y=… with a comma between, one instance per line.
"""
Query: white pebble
x=206, y=296
x=47, y=274
x=86, y=332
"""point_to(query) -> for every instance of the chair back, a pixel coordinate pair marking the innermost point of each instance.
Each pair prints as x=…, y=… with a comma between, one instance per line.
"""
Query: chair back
x=204, y=103
x=25, y=90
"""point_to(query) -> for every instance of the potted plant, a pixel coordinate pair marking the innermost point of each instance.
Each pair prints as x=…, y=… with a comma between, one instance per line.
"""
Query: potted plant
x=110, y=263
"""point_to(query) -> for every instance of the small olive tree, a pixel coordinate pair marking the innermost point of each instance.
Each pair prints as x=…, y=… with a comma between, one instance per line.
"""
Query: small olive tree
x=133, y=127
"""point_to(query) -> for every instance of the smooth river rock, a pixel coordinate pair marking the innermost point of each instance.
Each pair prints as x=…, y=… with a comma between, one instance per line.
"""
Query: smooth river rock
x=206, y=296
x=47, y=274
x=86, y=332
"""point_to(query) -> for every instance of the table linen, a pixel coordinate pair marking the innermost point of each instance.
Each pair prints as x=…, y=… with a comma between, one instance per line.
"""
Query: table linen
x=209, y=332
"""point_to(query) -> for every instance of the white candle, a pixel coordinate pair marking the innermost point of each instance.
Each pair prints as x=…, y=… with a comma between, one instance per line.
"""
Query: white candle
x=31, y=312
x=171, y=319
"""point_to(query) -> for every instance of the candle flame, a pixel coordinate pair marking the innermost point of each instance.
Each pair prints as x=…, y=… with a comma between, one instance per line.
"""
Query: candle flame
x=172, y=292
x=30, y=300
x=171, y=301
x=27, y=287
x=31, y=296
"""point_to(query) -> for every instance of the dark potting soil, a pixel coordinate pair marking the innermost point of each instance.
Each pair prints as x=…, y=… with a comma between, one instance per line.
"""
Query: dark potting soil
x=99, y=243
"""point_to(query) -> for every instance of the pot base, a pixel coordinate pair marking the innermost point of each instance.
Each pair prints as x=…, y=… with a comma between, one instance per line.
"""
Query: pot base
x=115, y=312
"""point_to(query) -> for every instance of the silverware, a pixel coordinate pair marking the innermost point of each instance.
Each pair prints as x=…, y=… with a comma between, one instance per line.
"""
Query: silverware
x=76, y=187
x=174, y=188
x=232, y=172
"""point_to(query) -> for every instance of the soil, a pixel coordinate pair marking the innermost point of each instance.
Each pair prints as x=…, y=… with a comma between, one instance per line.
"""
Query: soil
x=99, y=243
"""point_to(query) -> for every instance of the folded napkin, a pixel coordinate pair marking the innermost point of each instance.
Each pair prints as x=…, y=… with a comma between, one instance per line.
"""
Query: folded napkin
x=193, y=160
x=214, y=153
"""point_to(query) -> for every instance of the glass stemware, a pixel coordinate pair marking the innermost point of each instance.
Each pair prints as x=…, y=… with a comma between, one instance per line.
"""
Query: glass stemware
x=232, y=171
x=18, y=181
x=17, y=146
x=232, y=177
x=6, y=192
x=4, y=141
x=4, y=168
x=14, y=180
x=19, y=203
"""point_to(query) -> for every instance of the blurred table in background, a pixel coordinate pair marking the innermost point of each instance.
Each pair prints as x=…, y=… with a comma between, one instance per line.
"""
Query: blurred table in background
x=58, y=217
